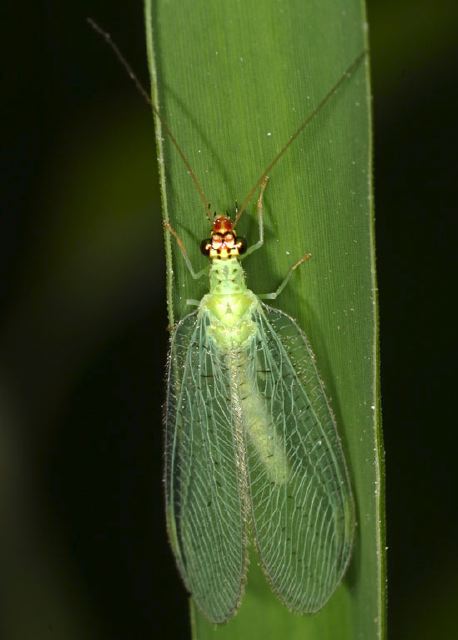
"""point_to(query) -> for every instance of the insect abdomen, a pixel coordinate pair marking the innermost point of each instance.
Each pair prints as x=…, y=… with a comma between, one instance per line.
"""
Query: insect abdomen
x=264, y=437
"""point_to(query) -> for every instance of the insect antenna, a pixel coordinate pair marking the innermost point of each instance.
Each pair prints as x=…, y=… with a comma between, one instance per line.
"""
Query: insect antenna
x=142, y=91
x=346, y=74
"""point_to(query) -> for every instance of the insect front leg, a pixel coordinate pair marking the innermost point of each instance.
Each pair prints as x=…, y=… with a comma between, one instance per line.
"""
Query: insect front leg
x=260, y=211
x=195, y=274
x=276, y=293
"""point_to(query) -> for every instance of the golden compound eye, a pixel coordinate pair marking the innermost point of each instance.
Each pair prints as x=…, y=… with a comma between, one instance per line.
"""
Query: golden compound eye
x=205, y=246
x=241, y=245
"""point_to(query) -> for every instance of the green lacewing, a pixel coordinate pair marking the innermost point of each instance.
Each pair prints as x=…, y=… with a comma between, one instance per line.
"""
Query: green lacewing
x=252, y=449
x=251, y=445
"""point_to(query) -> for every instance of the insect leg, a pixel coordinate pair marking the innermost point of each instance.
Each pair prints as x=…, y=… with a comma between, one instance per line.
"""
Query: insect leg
x=276, y=293
x=260, y=211
x=195, y=274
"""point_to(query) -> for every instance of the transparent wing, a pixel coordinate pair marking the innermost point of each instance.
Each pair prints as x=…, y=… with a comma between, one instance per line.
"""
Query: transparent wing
x=302, y=506
x=203, y=492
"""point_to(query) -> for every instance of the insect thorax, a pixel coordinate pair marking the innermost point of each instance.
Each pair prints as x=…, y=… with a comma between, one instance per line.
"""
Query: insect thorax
x=227, y=277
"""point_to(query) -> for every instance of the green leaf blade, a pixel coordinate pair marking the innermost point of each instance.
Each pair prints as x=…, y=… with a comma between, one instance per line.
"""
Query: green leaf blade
x=234, y=81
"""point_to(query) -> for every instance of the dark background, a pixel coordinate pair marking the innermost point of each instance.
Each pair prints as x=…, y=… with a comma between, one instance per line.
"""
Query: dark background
x=83, y=325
